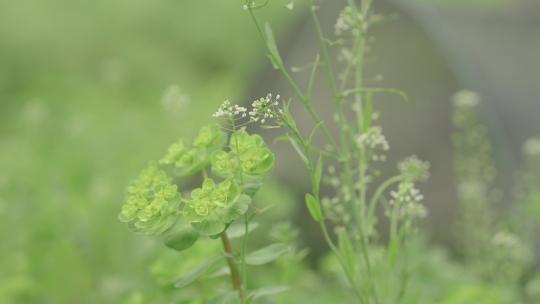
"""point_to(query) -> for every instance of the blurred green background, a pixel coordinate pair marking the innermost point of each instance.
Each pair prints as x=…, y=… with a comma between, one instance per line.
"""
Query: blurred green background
x=89, y=92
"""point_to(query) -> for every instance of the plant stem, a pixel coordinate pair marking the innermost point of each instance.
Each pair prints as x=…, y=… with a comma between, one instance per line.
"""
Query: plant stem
x=303, y=98
x=233, y=267
x=244, y=249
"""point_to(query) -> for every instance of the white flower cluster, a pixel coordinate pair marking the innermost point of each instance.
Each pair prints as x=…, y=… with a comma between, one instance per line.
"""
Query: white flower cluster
x=347, y=21
x=375, y=140
x=466, y=99
x=265, y=108
x=409, y=198
x=413, y=169
x=229, y=110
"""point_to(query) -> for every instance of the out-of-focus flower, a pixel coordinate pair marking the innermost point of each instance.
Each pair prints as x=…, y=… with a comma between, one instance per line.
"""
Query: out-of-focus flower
x=531, y=148
x=174, y=100
x=413, y=169
x=466, y=99
x=409, y=199
x=189, y=160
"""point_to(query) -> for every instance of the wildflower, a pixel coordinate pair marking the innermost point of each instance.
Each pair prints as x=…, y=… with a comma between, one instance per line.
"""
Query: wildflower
x=413, y=169
x=265, y=108
x=248, y=155
x=409, y=199
x=348, y=21
x=178, y=154
x=374, y=140
x=189, y=160
x=466, y=99
x=226, y=109
x=152, y=202
x=214, y=206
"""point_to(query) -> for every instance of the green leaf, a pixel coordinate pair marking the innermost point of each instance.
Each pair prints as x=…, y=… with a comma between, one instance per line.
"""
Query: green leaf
x=181, y=238
x=298, y=149
x=238, y=230
x=193, y=275
x=314, y=208
x=314, y=132
x=267, y=254
x=267, y=291
x=272, y=47
x=231, y=297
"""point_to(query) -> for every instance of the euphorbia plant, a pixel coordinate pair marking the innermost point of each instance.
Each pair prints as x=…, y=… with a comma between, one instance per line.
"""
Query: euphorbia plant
x=232, y=168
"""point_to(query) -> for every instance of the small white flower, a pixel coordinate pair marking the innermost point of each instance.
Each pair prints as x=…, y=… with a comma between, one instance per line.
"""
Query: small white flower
x=228, y=110
x=409, y=199
x=373, y=139
x=265, y=108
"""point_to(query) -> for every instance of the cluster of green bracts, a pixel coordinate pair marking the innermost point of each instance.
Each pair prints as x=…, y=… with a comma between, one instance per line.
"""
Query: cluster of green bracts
x=233, y=168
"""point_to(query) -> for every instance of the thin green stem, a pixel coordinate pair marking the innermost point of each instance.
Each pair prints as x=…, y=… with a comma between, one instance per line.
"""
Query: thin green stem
x=375, y=199
x=304, y=99
x=244, y=249
x=233, y=267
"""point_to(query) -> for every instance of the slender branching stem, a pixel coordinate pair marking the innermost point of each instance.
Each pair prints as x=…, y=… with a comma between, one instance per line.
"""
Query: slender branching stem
x=233, y=267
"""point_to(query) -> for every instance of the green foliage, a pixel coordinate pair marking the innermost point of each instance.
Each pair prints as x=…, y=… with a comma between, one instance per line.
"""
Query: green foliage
x=266, y=255
x=71, y=248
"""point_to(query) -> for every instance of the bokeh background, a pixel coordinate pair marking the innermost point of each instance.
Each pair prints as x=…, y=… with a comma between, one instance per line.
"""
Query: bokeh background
x=92, y=90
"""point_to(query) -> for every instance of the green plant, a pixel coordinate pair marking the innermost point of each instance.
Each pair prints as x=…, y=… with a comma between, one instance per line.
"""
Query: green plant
x=349, y=198
x=349, y=162
x=232, y=169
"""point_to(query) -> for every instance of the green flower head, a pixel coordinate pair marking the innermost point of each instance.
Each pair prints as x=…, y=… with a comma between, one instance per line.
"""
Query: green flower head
x=214, y=206
x=248, y=156
x=189, y=160
x=210, y=138
x=178, y=155
x=152, y=202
